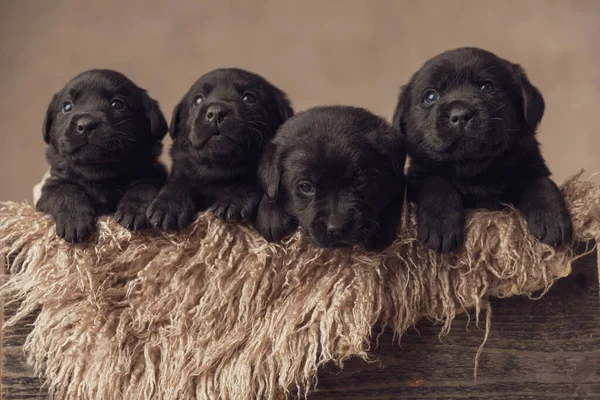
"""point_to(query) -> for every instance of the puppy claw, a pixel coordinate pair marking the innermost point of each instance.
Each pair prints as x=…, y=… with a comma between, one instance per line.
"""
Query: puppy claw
x=219, y=211
x=170, y=214
x=248, y=211
x=169, y=222
x=550, y=227
x=442, y=234
x=75, y=227
x=131, y=214
x=139, y=223
x=126, y=221
x=238, y=210
x=233, y=215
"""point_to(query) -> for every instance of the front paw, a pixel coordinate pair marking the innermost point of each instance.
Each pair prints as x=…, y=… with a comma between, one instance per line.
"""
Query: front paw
x=380, y=239
x=440, y=231
x=76, y=225
x=236, y=210
x=131, y=213
x=272, y=223
x=550, y=226
x=170, y=213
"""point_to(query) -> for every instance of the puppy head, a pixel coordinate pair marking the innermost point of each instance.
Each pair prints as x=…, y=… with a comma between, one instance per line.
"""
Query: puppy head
x=100, y=116
x=335, y=168
x=467, y=104
x=229, y=114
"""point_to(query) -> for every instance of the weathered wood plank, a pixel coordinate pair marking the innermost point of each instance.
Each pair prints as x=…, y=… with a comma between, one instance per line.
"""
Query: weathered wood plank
x=537, y=349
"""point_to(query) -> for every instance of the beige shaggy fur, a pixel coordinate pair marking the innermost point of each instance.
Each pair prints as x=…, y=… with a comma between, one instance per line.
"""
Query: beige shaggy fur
x=215, y=312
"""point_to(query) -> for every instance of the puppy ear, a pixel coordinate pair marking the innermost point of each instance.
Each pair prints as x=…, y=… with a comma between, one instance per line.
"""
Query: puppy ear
x=49, y=119
x=283, y=106
x=270, y=171
x=174, y=129
x=392, y=146
x=158, y=124
x=401, y=108
x=532, y=100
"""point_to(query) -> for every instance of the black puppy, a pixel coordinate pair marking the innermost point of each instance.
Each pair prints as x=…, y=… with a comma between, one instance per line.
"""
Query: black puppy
x=219, y=129
x=470, y=120
x=104, y=137
x=338, y=173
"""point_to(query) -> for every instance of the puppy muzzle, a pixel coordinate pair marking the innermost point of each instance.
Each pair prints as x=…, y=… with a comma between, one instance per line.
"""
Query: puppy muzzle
x=83, y=128
x=460, y=116
x=216, y=121
x=335, y=229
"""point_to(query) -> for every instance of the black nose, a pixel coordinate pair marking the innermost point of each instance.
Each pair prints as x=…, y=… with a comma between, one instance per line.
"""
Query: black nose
x=335, y=229
x=460, y=115
x=336, y=226
x=216, y=113
x=86, y=124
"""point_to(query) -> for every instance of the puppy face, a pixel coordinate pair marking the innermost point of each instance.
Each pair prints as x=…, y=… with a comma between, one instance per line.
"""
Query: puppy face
x=229, y=113
x=101, y=117
x=336, y=168
x=467, y=104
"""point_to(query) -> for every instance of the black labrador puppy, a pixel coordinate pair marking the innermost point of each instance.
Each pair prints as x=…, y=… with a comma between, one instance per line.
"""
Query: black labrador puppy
x=470, y=120
x=104, y=138
x=338, y=173
x=219, y=128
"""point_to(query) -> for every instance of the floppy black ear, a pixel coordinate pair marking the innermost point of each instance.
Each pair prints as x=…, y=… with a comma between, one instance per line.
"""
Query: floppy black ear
x=401, y=108
x=270, y=171
x=392, y=146
x=49, y=119
x=158, y=124
x=175, y=119
x=532, y=100
x=283, y=106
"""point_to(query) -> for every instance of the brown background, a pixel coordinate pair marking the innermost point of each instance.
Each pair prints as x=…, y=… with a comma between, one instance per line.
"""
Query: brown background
x=319, y=52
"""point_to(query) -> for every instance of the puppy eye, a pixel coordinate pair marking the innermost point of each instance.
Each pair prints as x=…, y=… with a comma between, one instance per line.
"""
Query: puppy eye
x=487, y=88
x=67, y=107
x=198, y=100
x=306, y=187
x=360, y=183
x=117, y=104
x=431, y=96
x=249, y=98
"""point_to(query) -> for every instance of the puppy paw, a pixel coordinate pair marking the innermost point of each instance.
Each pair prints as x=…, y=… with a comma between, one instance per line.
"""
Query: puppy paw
x=170, y=213
x=378, y=241
x=388, y=225
x=440, y=231
x=76, y=225
x=272, y=223
x=236, y=210
x=553, y=227
x=131, y=213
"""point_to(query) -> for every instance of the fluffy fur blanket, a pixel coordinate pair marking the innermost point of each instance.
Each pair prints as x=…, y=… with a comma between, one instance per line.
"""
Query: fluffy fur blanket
x=215, y=312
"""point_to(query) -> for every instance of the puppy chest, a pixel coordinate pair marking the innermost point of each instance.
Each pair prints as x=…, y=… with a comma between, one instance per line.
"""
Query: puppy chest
x=106, y=196
x=487, y=194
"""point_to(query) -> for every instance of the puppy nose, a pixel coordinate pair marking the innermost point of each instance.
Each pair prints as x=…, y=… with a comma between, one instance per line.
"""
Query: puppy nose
x=335, y=229
x=336, y=225
x=461, y=115
x=216, y=113
x=86, y=124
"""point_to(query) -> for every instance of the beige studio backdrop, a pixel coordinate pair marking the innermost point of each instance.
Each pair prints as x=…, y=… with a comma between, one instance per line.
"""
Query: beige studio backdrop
x=319, y=52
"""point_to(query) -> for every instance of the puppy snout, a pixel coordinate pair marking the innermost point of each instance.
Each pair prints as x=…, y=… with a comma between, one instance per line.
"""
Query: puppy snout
x=336, y=225
x=460, y=114
x=335, y=228
x=216, y=113
x=86, y=123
